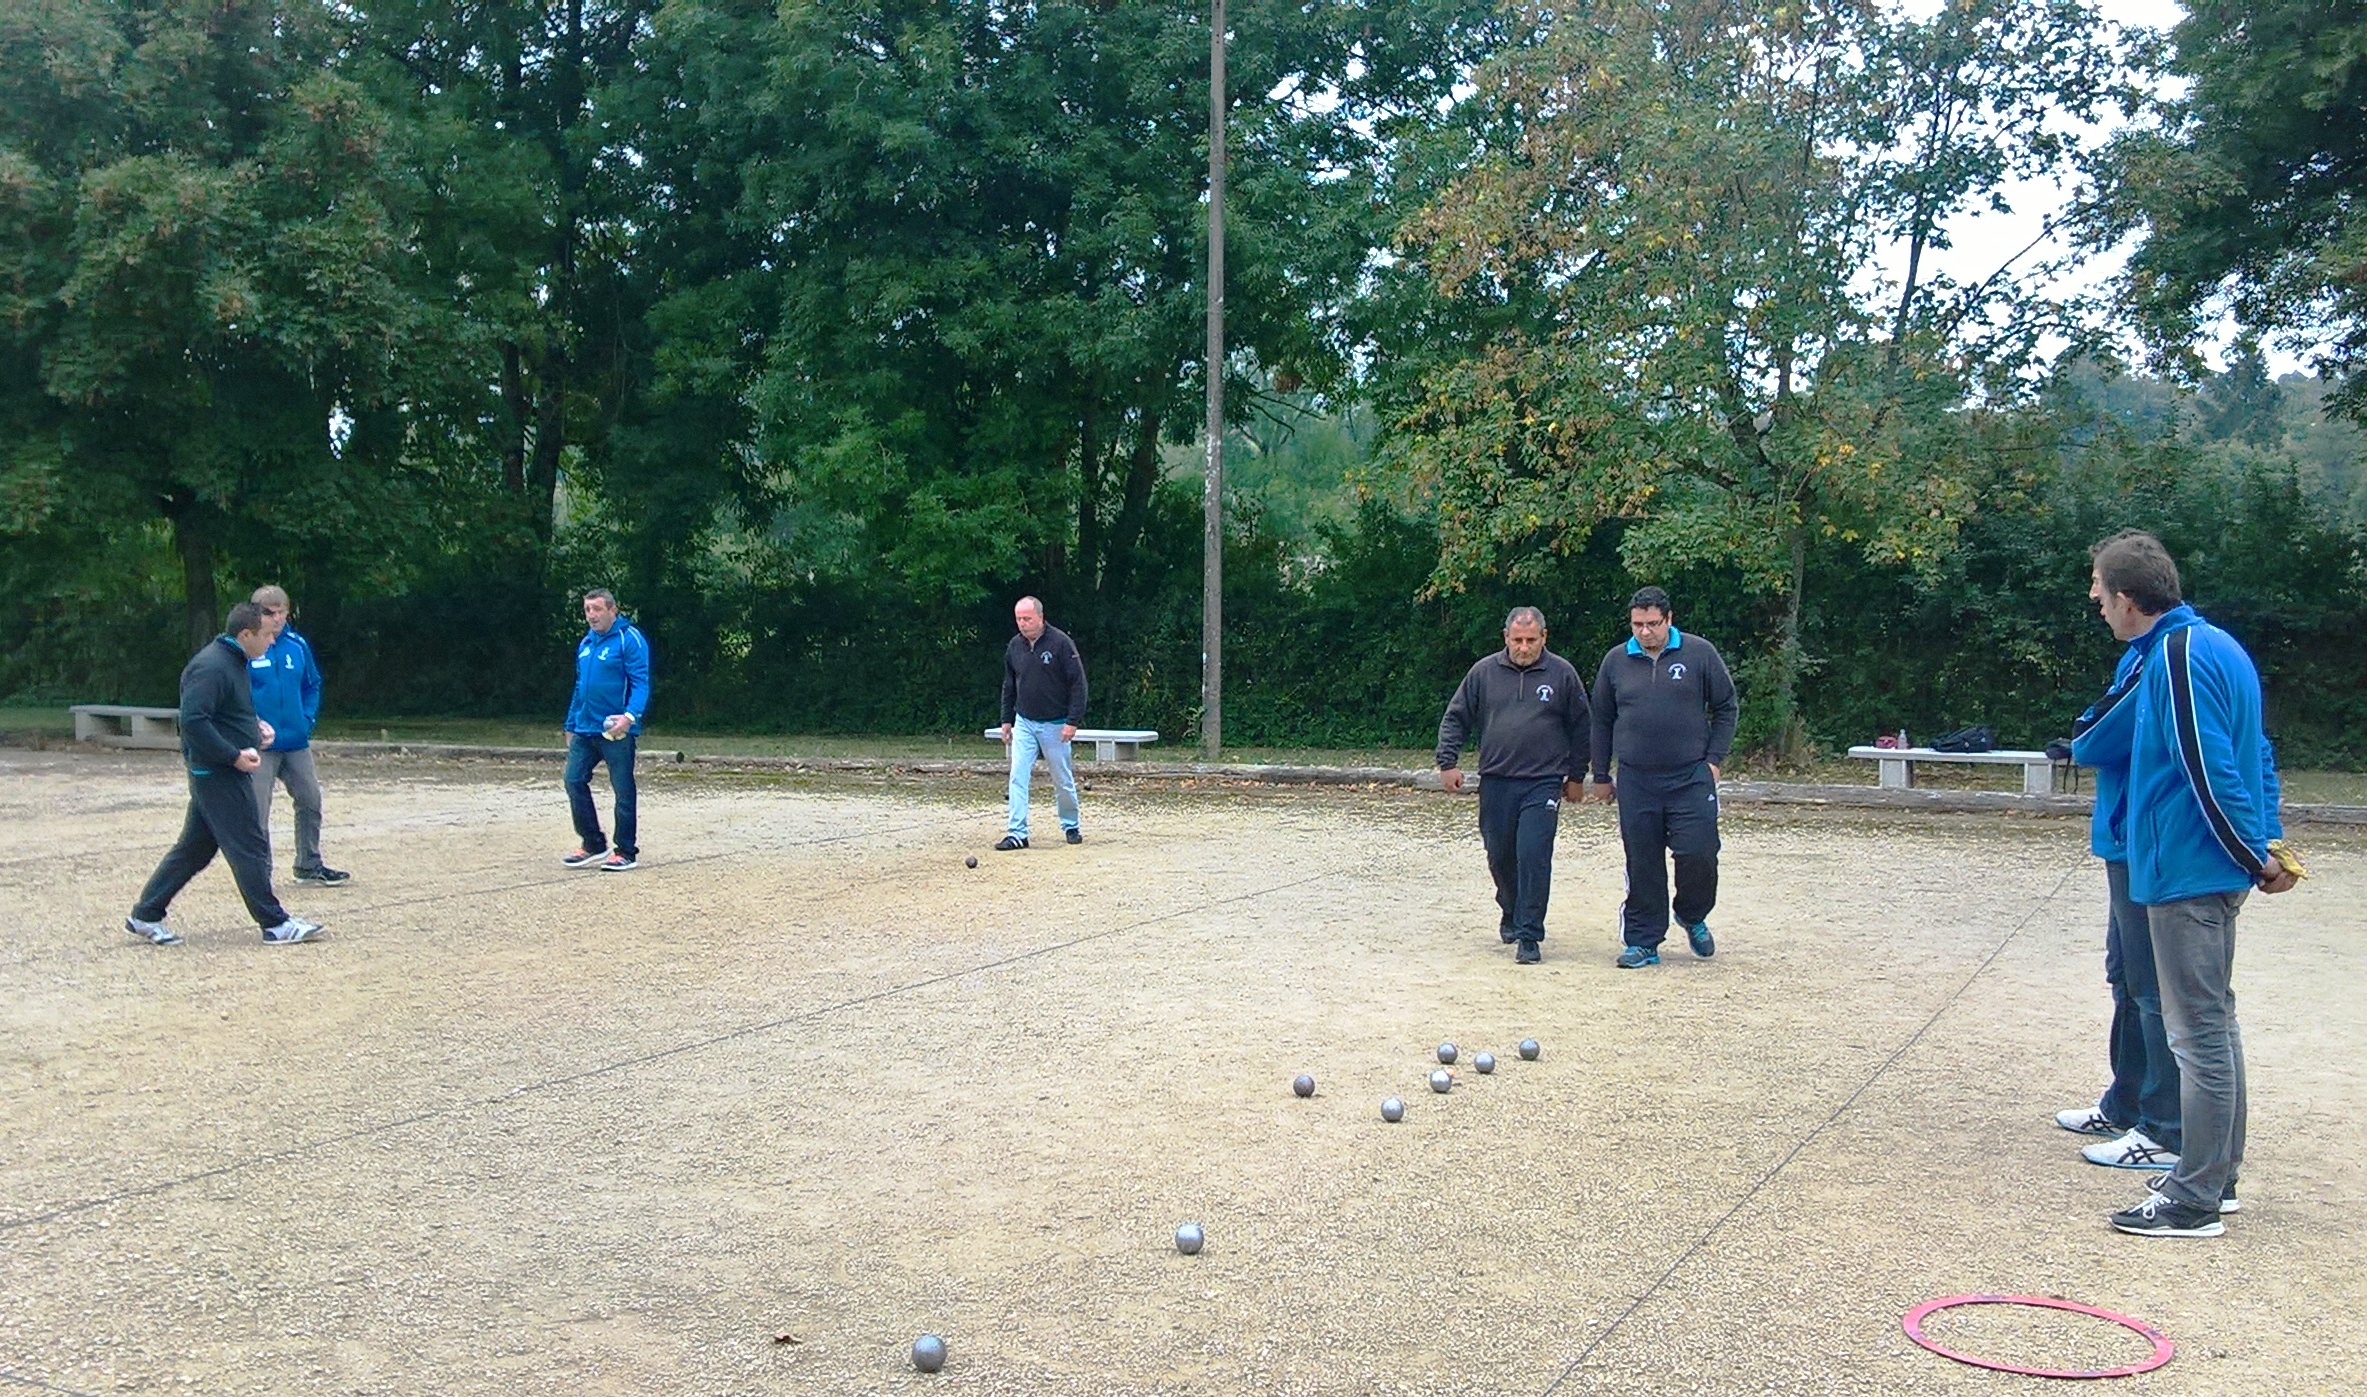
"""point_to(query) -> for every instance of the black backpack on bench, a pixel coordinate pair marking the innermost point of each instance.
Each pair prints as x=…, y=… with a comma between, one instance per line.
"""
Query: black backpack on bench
x=1977, y=738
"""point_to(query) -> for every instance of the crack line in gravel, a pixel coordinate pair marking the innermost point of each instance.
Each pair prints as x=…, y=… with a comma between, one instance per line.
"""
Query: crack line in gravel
x=36, y=1383
x=643, y=1059
x=1806, y=1140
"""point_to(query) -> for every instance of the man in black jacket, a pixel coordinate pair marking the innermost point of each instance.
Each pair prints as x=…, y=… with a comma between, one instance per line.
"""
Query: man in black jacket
x=1665, y=706
x=220, y=738
x=1043, y=706
x=1527, y=709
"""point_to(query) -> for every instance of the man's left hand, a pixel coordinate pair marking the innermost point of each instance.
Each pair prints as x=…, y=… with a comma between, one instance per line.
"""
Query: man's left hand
x=1713, y=766
x=1573, y=792
x=2281, y=881
x=617, y=726
x=1068, y=732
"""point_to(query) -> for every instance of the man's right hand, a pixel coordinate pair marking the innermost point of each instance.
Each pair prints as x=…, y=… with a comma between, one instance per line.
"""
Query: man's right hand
x=248, y=759
x=1451, y=778
x=1006, y=733
x=1602, y=792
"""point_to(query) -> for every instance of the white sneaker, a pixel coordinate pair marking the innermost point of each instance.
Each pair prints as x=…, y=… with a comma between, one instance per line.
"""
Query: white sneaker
x=154, y=933
x=296, y=929
x=2135, y=1150
x=2086, y=1120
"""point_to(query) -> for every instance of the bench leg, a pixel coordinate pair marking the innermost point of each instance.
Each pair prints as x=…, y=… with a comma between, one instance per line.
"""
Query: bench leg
x=2037, y=779
x=1895, y=773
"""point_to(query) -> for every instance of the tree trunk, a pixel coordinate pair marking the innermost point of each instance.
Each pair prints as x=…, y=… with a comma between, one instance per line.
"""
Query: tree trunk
x=513, y=444
x=1089, y=501
x=203, y=615
x=1790, y=736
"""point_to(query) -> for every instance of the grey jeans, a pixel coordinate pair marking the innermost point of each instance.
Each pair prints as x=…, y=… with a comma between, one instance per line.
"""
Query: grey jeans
x=294, y=768
x=2194, y=958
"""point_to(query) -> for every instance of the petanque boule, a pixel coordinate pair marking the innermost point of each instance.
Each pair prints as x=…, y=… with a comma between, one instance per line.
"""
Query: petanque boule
x=1441, y=1080
x=1447, y=1053
x=1189, y=1239
x=970, y=862
x=1303, y=1084
x=928, y=1353
x=1484, y=1063
x=1529, y=1050
x=1392, y=1109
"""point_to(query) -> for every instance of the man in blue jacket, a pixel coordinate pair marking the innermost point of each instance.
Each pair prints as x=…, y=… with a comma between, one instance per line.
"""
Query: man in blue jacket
x=2139, y=1110
x=603, y=723
x=2202, y=808
x=287, y=682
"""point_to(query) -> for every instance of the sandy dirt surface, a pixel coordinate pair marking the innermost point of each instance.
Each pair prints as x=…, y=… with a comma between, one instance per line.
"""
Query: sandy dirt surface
x=513, y=1128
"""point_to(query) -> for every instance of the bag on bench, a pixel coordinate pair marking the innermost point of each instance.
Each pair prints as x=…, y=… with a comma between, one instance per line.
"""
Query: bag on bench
x=1977, y=738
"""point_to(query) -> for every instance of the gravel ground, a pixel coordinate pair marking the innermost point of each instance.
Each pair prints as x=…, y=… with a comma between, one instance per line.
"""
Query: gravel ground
x=516, y=1128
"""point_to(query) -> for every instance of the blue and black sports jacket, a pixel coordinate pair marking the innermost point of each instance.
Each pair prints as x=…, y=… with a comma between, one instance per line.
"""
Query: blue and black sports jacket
x=287, y=682
x=611, y=676
x=2202, y=776
x=2100, y=739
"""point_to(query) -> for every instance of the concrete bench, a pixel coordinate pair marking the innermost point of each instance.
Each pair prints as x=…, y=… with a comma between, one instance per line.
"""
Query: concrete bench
x=1109, y=744
x=1897, y=767
x=123, y=725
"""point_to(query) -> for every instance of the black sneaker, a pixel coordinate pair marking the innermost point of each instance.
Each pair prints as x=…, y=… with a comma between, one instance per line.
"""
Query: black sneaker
x=583, y=858
x=1009, y=842
x=1506, y=934
x=2228, y=1202
x=1698, y=936
x=324, y=875
x=1076, y=836
x=2162, y=1216
x=1528, y=954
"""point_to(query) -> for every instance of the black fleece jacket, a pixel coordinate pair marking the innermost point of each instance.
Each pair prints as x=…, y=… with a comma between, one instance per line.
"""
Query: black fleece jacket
x=1045, y=680
x=217, y=708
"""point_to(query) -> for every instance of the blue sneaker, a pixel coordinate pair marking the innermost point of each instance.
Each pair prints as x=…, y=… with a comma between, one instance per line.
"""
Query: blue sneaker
x=1698, y=934
x=1637, y=957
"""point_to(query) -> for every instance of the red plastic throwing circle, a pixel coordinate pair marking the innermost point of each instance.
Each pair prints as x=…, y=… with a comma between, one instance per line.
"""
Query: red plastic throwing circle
x=2162, y=1348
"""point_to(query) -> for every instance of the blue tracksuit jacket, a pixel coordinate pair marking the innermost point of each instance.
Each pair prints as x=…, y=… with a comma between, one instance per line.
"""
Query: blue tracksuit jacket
x=2100, y=739
x=611, y=676
x=2202, y=776
x=287, y=682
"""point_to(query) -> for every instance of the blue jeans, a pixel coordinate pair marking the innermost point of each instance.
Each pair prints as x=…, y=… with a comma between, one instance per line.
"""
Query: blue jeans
x=1029, y=737
x=586, y=750
x=2144, y=1090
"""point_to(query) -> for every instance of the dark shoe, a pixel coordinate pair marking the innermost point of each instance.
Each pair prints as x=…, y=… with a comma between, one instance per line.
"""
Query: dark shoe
x=1076, y=836
x=1506, y=934
x=154, y=933
x=291, y=931
x=620, y=863
x=324, y=875
x=2160, y=1216
x=2228, y=1202
x=1703, y=945
x=1528, y=954
x=1009, y=842
x=1637, y=957
x=583, y=857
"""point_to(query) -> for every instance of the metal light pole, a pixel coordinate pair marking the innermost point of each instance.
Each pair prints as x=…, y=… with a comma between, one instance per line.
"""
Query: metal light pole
x=1212, y=503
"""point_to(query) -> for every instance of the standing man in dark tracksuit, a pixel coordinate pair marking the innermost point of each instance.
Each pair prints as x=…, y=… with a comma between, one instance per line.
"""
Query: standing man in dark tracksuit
x=1664, y=706
x=1527, y=708
x=1043, y=706
x=604, y=725
x=220, y=738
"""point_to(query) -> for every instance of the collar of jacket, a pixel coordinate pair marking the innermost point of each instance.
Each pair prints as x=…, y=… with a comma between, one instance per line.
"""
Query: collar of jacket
x=2177, y=618
x=1676, y=641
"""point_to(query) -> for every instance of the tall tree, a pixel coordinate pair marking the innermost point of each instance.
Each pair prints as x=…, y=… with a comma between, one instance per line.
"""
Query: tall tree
x=1667, y=222
x=2250, y=188
x=204, y=285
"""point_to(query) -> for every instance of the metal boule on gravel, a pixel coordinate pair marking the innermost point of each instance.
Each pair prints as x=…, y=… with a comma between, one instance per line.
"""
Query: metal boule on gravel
x=1303, y=1084
x=1447, y=1053
x=1189, y=1239
x=1392, y=1110
x=1484, y=1063
x=928, y=1353
x=970, y=862
x=1441, y=1080
x=1529, y=1050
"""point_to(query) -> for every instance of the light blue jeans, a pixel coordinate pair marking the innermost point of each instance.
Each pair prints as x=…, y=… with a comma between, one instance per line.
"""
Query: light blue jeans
x=1029, y=737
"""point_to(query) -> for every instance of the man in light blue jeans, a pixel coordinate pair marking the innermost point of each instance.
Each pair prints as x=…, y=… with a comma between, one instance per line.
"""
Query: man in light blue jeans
x=1043, y=706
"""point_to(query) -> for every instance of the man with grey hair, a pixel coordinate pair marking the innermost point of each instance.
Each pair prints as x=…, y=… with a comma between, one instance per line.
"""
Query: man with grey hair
x=1043, y=706
x=1527, y=711
x=287, y=682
